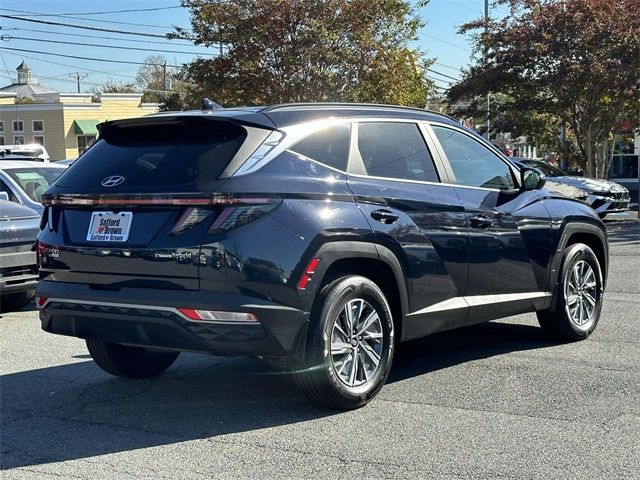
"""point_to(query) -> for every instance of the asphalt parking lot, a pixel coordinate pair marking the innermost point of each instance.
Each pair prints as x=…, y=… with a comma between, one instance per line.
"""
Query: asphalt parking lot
x=490, y=401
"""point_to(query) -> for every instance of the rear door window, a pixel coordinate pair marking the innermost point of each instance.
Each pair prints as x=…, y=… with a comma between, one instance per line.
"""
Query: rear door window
x=329, y=146
x=165, y=156
x=395, y=150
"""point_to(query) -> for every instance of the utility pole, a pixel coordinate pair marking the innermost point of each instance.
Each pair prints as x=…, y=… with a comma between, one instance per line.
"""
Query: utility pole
x=78, y=77
x=486, y=58
x=164, y=81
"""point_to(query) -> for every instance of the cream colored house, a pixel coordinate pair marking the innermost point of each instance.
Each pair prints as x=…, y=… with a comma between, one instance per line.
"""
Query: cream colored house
x=65, y=123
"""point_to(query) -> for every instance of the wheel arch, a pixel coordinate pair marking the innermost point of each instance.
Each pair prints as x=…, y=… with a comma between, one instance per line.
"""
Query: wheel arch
x=594, y=236
x=373, y=261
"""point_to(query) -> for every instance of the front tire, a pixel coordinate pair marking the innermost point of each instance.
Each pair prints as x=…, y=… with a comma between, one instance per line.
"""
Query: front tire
x=578, y=298
x=129, y=362
x=350, y=344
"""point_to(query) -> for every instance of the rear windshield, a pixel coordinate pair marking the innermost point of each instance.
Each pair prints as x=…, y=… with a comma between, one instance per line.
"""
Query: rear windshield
x=168, y=155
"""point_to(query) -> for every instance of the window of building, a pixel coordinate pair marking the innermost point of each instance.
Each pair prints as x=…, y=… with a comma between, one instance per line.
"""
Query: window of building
x=18, y=139
x=472, y=163
x=1, y=127
x=84, y=142
x=329, y=146
x=2, y=140
x=38, y=125
x=395, y=150
x=39, y=139
x=18, y=126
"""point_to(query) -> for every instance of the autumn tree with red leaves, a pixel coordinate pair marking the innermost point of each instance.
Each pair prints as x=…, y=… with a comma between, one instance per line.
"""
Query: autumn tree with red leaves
x=278, y=51
x=575, y=62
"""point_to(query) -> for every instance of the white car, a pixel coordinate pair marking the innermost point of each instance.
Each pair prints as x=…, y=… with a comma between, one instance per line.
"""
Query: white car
x=33, y=150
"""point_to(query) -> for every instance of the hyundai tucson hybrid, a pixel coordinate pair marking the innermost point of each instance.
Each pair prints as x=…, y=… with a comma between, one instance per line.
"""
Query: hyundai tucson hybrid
x=317, y=236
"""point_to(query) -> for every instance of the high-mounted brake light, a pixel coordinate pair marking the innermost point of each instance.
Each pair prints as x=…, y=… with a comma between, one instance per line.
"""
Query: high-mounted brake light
x=308, y=273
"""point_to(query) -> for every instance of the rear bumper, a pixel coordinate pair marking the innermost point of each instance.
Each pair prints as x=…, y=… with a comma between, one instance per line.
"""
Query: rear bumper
x=135, y=316
x=19, y=272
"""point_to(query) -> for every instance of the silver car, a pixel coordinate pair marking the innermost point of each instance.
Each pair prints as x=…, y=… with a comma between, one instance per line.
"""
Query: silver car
x=25, y=181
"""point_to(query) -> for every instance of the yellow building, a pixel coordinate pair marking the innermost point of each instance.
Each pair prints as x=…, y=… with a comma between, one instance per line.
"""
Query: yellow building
x=65, y=123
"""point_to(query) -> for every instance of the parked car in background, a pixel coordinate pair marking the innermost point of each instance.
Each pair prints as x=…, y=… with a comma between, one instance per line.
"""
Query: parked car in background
x=555, y=187
x=32, y=151
x=25, y=181
x=19, y=226
x=314, y=235
x=604, y=196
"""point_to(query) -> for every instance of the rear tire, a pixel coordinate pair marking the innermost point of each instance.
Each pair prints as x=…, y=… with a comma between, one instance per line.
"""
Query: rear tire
x=129, y=362
x=579, y=296
x=350, y=344
x=16, y=301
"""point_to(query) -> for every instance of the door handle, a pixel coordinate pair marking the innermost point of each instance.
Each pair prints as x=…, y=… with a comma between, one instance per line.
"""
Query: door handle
x=480, y=221
x=384, y=216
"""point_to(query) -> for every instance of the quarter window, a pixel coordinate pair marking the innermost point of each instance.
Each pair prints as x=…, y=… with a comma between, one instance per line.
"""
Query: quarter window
x=329, y=146
x=472, y=163
x=395, y=150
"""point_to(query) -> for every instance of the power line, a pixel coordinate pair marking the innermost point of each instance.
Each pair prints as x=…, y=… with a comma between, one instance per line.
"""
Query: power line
x=31, y=14
x=110, y=46
x=71, y=66
x=102, y=13
x=102, y=37
x=83, y=27
x=443, y=75
x=466, y=49
x=84, y=58
x=448, y=66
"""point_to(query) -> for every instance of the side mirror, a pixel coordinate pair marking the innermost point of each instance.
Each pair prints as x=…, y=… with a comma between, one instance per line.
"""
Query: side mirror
x=4, y=196
x=532, y=179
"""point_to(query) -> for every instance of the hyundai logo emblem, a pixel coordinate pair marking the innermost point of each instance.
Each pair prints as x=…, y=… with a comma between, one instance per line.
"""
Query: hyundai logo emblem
x=112, y=181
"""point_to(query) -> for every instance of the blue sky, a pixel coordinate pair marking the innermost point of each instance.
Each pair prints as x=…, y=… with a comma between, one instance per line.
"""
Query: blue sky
x=438, y=38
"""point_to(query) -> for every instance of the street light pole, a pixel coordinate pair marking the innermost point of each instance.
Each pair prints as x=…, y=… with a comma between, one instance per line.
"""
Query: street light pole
x=486, y=55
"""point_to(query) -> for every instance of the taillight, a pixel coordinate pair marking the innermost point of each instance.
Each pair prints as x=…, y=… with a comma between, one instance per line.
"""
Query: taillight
x=237, y=216
x=308, y=273
x=189, y=218
x=44, y=252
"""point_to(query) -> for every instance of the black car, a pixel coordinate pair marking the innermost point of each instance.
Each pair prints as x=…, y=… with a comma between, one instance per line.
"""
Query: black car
x=19, y=226
x=313, y=235
x=604, y=196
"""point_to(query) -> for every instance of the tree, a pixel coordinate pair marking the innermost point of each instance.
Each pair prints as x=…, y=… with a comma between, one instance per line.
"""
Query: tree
x=572, y=62
x=117, y=87
x=307, y=50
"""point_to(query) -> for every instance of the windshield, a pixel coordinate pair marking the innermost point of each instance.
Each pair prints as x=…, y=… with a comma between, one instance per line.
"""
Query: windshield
x=546, y=168
x=34, y=181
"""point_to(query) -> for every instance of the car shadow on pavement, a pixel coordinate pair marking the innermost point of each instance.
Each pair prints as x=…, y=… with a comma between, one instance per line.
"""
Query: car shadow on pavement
x=76, y=411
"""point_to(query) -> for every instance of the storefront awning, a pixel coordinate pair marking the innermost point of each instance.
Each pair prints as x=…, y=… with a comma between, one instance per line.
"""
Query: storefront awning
x=85, y=127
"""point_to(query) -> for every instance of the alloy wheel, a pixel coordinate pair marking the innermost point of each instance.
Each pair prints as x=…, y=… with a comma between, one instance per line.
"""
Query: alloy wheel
x=581, y=293
x=357, y=343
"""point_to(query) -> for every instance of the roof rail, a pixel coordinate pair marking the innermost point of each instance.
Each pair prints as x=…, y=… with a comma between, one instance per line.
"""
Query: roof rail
x=288, y=106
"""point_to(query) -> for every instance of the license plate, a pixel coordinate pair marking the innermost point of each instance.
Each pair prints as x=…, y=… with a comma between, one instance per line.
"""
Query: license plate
x=109, y=227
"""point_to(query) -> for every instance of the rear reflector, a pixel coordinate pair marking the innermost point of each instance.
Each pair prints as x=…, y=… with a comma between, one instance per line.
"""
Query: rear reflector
x=213, y=316
x=41, y=301
x=308, y=273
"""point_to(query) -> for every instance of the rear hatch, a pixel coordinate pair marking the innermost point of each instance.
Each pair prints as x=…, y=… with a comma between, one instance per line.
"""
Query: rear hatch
x=133, y=210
